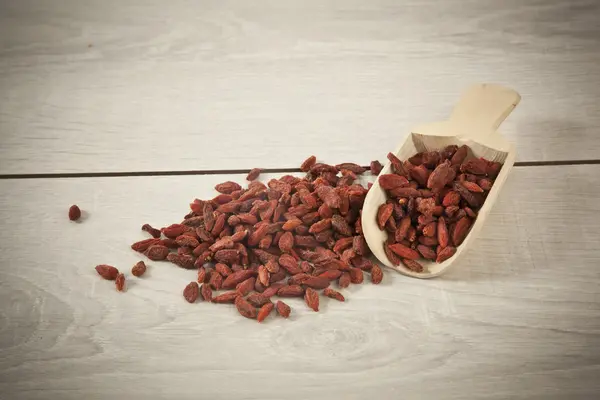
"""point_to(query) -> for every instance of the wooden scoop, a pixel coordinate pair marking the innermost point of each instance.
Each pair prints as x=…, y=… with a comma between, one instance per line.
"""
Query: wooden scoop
x=473, y=122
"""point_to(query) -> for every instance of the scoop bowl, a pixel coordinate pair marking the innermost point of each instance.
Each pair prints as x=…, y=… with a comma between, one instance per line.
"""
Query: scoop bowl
x=474, y=122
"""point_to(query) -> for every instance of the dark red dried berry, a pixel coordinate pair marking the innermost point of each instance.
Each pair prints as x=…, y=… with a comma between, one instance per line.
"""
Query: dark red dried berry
x=120, y=282
x=138, y=269
x=152, y=231
x=74, y=213
x=190, y=293
x=108, y=272
x=253, y=174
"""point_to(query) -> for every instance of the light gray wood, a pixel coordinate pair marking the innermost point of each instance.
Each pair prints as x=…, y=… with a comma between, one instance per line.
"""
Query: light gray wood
x=518, y=319
x=226, y=84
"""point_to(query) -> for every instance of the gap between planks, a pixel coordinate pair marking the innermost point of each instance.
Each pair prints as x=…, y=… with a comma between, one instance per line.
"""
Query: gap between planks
x=240, y=171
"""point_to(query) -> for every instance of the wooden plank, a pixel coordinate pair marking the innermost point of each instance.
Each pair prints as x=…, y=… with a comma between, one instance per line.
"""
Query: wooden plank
x=517, y=319
x=113, y=85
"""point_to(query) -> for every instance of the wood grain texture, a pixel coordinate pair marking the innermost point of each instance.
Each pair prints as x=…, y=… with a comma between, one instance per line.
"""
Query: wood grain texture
x=114, y=85
x=517, y=319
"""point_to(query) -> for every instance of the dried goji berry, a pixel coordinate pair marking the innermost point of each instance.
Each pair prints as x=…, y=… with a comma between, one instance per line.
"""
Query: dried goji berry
x=138, y=269
x=74, y=213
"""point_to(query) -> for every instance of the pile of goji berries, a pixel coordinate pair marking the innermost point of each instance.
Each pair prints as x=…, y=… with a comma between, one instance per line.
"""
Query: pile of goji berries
x=295, y=236
x=292, y=237
x=433, y=200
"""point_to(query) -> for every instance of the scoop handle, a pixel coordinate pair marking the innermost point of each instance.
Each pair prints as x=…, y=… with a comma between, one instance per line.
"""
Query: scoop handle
x=481, y=110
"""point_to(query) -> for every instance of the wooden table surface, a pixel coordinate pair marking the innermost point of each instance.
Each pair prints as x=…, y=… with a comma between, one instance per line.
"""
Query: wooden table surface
x=132, y=108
